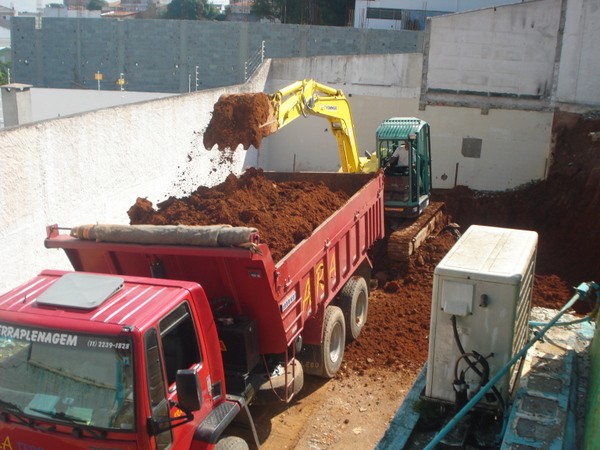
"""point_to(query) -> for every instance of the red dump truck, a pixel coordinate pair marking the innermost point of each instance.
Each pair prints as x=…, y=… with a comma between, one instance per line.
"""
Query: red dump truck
x=156, y=343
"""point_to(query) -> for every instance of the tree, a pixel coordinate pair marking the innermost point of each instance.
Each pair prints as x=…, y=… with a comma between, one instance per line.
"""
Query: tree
x=187, y=9
x=269, y=9
x=96, y=5
x=4, y=68
x=312, y=12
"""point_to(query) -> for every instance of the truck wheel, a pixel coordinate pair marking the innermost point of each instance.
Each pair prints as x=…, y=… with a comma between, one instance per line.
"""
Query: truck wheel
x=231, y=443
x=334, y=339
x=354, y=301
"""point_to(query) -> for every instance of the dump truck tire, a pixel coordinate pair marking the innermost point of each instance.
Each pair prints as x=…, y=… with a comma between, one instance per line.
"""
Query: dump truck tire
x=354, y=302
x=325, y=359
x=334, y=339
x=231, y=443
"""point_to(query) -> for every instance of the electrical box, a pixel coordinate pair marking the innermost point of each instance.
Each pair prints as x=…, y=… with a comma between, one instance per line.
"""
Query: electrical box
x=482, y=293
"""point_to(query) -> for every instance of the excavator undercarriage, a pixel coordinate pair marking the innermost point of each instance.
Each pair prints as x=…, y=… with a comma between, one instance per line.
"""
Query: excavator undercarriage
x=405, y=236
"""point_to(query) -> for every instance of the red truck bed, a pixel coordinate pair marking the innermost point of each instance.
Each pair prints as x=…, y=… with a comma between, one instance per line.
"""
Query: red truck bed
x=282, y=298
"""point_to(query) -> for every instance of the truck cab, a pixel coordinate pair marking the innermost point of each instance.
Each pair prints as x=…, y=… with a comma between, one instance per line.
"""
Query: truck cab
x=407, y=181
x=97, y=361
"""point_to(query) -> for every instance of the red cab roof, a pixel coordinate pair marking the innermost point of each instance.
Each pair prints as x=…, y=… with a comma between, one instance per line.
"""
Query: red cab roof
x=135, y=303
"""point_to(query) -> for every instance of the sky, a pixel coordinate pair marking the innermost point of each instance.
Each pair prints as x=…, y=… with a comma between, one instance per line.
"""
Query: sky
x=27, y=5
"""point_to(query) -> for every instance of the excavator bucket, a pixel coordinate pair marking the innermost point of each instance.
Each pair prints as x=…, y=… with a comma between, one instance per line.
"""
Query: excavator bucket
x=240, y=119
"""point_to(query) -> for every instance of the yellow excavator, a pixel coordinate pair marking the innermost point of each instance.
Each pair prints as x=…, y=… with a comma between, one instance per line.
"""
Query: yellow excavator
x=403, y=151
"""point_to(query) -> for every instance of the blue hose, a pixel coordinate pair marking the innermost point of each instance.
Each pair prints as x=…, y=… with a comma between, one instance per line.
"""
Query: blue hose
x=561, y=324
x=581, y=292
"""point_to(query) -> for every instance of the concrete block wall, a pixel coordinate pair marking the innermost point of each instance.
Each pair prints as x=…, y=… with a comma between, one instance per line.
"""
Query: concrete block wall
x=578, y=80
x=166, y=55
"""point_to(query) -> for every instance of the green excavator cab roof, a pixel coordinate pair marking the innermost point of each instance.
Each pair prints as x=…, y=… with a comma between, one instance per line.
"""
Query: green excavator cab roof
x=399, y=128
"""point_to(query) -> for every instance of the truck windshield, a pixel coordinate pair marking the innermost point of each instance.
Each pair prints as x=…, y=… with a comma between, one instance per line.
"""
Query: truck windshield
x=75, y=378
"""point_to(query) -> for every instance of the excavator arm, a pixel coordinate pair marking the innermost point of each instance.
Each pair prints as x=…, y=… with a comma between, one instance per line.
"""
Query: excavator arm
x=308, y=97
x=299, y=99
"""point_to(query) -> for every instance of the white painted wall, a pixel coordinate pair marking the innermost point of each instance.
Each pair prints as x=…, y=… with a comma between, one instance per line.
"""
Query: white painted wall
x=91, y=167
x=515, y=144
x=376, y=86
x=515, y=147
x=54, y=103
x=579, y=75
x=509, y=50
x=4, y=37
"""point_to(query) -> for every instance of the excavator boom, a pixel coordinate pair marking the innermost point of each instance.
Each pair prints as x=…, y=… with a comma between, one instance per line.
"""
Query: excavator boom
x=307, y=97
x=244, y=119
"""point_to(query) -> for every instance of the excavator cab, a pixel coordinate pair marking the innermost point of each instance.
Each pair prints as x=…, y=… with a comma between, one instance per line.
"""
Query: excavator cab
x=404, y=152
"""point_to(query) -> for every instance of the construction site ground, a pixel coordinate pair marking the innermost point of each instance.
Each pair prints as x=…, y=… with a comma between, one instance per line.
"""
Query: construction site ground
x=353, y=409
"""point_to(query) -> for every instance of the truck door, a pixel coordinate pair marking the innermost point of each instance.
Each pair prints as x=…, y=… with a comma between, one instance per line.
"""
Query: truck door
x=156, y=389
x=174, y=347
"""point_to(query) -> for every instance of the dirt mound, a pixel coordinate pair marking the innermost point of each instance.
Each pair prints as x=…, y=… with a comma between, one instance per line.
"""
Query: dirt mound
x=564, y=209
x=396, y=336
x=284, y=213
x=239, y=119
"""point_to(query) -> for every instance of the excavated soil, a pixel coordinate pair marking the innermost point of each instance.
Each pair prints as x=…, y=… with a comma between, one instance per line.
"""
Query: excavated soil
x=239, y=119
x=563, y=210
x=353, y=409
x=284, y=213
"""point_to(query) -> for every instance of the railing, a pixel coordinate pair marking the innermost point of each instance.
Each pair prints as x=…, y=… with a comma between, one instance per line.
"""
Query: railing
x=254, y=62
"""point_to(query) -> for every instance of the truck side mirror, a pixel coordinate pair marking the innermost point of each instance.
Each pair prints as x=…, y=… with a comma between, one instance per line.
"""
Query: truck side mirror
x=188, y=390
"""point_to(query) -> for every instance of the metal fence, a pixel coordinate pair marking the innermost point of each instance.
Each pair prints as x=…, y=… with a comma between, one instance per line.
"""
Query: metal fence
x=254, y=61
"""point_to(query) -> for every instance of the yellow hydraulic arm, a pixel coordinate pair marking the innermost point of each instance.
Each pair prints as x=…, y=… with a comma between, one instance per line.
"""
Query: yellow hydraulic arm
x=307, y=97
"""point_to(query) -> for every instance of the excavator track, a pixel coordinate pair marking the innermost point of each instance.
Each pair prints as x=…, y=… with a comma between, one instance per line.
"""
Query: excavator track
x=409, y=235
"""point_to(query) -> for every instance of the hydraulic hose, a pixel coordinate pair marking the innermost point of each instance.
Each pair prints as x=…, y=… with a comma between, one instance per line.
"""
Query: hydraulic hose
x=582, y=291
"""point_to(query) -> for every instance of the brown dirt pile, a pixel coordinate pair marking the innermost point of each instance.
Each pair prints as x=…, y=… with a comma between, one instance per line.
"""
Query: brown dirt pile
x=564, y=209
x=239, y=119
x=284, y=213
x=396, y=336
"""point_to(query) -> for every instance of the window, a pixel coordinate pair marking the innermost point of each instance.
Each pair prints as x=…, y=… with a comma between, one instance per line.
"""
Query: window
x=384, y=13
x=179, y=341
x=68, y=377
